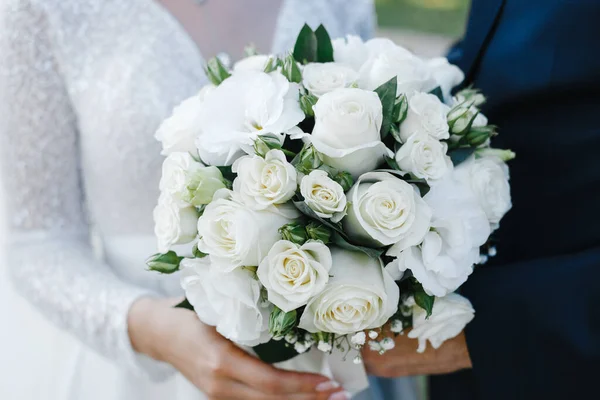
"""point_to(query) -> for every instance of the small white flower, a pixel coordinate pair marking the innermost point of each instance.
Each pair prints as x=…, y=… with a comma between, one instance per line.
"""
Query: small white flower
x=291, y=338
x=301, y=347
x=357, y=360
x=308, y=338
x=264, y=182
x=492, y=252
x=323, y=195
x=388, y=343
x=373, y=334
x=325, y=347
x=321, y=78
x=483, y=259
x=358, y=339
x=396, y=326
x=374, y=345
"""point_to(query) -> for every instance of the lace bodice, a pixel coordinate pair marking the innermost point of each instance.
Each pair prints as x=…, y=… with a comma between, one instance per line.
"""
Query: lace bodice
x=83, y=86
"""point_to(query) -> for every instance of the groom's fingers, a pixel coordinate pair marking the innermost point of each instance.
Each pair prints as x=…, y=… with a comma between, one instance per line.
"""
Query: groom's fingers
x=269, y=379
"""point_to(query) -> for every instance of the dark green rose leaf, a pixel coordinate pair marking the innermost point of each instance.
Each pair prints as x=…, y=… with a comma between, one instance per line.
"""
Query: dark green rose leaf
x=324, y=46
x=305, y=49
x=387, y=95
x=344, y=244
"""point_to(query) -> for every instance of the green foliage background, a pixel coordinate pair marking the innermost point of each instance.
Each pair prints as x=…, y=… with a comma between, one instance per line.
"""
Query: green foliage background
x=444, y=17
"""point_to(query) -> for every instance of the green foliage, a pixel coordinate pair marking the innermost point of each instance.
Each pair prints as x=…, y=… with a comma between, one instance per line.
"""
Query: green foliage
x=281, y=322
x=166, y=263
x=387, y=95
x=216, y=71
x=313, y=46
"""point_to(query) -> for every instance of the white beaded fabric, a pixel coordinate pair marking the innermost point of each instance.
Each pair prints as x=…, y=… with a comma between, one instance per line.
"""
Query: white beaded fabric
x=83, y=86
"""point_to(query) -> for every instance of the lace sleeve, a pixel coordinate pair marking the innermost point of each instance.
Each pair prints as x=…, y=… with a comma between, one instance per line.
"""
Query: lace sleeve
x=49, y=255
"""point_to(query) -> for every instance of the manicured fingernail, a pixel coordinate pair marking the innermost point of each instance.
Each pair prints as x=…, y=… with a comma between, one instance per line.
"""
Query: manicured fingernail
x=340, y=396
x=325, y=386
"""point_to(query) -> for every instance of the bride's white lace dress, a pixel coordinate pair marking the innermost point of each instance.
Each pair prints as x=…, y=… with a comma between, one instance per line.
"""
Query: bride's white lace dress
x=83, y=86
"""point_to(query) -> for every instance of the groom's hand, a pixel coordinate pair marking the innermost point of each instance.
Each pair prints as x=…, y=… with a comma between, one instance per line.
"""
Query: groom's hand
x=403, y=359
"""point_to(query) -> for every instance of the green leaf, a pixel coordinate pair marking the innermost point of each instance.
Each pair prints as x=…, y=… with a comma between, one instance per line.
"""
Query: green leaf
x=275, y=351
x=424, y=300
x=344, y=179
x=344, y=244
x=305, y=49
x=197, y=253
x=227, y=172
x=306, y=210
x=272, y=64
x=459, y=155
x=438, y=93
x=307, y=101
x=291, y=70
x=185, y=304
x=392, y=163
x=166, y=263
x=318, y=231
x=387, y=95
x=294, y=232
x=395, y=131
x=216, y=71
x=281, y=322
x=400, y=109
x=324, y=46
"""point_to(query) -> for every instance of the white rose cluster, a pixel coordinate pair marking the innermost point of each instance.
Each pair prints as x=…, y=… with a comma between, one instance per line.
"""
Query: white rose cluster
x=292, y=178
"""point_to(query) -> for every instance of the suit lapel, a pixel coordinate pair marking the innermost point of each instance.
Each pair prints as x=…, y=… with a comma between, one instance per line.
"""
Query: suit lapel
x=482, y=19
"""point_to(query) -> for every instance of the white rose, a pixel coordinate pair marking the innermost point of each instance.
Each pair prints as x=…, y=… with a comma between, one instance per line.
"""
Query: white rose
x=346, y=132
x=173, y=224
x=244, y=106
x=253, y=63
x=178, y=133
x=446, y=257
x=426, y=114
x=446, y=75
x=450, y=315
x=234, y=235
x=386, y=62
x=321, y=78
x=263, y=182
x=488, y=179
x=386, y=210
x=360, y=295
x=293, y=274
x=350, y=51
x=424, y=157
x=229, y=301
x=323, y=195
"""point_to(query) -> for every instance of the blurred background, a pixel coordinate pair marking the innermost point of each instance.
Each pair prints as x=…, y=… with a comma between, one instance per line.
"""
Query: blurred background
x=427, y=27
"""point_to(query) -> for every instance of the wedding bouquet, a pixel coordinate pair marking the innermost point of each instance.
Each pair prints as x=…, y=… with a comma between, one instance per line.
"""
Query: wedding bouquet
x=329, y=193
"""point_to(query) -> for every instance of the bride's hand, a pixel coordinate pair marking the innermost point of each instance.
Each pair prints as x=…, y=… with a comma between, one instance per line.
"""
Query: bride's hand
x=212, y=363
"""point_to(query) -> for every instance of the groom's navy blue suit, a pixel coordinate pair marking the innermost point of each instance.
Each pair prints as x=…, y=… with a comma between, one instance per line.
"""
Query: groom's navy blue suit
x=536, y=333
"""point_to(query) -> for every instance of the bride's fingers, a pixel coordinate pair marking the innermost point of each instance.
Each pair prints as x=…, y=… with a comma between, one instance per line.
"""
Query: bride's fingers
x=269, y=379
